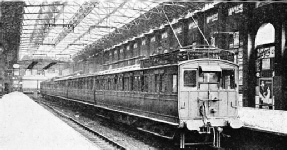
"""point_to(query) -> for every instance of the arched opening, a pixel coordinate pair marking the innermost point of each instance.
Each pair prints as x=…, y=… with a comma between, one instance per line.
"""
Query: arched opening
x=265, y=55
x=265, y=34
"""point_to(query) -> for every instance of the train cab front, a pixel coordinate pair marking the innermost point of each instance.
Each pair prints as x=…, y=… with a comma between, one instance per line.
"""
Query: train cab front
x=208, y=97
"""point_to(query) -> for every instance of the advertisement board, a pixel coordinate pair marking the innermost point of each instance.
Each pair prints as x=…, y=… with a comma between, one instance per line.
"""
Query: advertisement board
x=266, y=98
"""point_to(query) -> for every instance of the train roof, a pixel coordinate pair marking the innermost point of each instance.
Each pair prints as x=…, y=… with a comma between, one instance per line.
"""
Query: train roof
x=208, y=59
x=178, y=57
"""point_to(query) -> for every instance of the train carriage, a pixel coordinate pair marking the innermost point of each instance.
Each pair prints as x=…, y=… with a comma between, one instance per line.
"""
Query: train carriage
x=190, y=90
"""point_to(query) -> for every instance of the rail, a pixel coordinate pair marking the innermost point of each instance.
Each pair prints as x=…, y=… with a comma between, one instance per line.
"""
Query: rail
x=100, y=138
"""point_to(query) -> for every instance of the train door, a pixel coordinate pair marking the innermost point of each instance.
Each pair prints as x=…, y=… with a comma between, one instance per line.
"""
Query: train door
x=217, y=91
x=208, y=90
x=187, y=86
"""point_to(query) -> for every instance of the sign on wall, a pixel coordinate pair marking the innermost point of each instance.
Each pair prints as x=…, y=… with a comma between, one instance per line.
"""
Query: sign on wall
x=236, y=9
x=265, y=99
x=212, y=18
x=266, y=52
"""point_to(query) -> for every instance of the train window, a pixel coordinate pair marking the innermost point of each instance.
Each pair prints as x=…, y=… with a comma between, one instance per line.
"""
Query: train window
x=80, y=83
x=209, y=77
x=105, y=84
x=77, y=82
x=150, y=86
x=100, y=84
x=115, y=82
x=126, y=84
x=88, y=83
x=109, y=84
x=138, y=83
x=228, y=81
x=139, y=88
x=162, y=83
x=141, y=78
x=145, y=83
x=112, y=84
x=120, y=84
x=174, y=83
x=92, y=83
x=157, y=83
x=135, y=85
x=88, y=80
x=131, y=83
x=189, y=77
x=96, y=84
x=85, y=83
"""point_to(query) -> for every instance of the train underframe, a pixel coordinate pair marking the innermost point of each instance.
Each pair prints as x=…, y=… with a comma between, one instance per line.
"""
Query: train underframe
x=208, y=135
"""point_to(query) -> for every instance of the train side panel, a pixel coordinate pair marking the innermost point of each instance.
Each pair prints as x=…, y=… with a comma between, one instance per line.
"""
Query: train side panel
x=150, y=101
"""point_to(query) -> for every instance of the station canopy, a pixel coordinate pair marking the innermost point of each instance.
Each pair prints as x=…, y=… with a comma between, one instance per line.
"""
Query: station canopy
x=63, y=30
x=60, y=29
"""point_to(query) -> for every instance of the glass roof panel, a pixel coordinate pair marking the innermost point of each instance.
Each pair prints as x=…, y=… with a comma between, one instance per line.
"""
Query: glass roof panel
x=67, y=27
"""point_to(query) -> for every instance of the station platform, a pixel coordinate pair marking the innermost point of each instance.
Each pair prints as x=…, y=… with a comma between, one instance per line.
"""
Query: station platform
x=26, y=125
x=271, y=121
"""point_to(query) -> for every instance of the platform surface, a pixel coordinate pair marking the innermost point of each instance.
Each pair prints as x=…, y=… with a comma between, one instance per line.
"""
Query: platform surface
x=266, y=120
x=25, y=125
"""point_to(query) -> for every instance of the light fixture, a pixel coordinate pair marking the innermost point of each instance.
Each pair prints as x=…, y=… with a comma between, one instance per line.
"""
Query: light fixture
x=16, y=66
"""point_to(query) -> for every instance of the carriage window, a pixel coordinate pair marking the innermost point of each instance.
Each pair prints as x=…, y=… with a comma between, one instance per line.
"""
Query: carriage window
x=109, y=84
x=92, y=84
x=162, y=83
x=120, y=84
x=189, y=77
x=159, y=83
x=174, y=83
x=136, y=83
x=156, y=82
x=228, y=81
x=79, y=84
x=145, y=83
x=131, y=88
x=126, y=84
x=115, y=83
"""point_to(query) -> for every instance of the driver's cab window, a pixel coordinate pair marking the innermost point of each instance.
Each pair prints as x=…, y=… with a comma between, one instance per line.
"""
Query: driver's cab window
x=209, y=77
x=189, y=78
x=228, y=79
x=209, y=80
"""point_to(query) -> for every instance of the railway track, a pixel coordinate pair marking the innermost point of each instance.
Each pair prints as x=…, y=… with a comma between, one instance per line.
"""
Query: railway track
x=125, y=135
x=99, y=139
